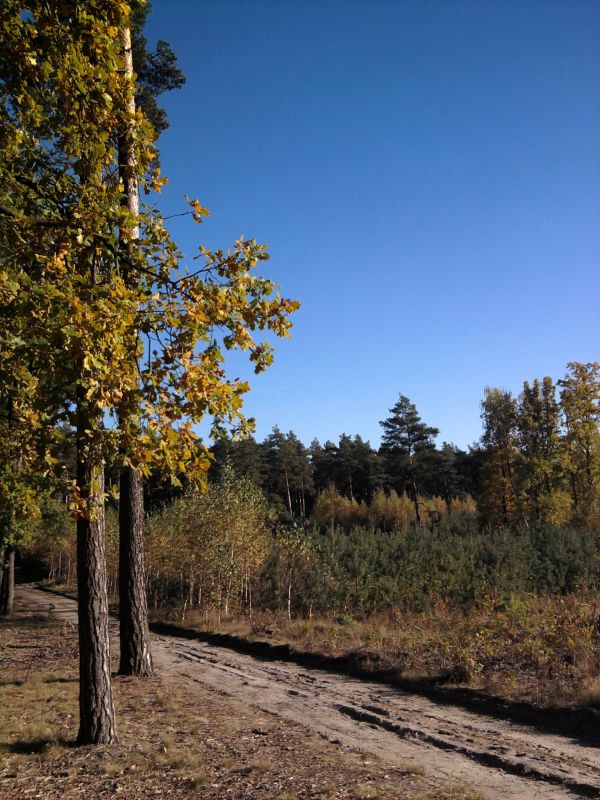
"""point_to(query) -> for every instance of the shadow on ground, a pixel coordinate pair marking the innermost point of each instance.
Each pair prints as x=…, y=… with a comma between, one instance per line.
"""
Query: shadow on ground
x=581, y=724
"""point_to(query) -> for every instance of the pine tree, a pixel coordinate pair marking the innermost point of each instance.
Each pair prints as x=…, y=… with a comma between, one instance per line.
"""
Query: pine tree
x=155, y=73
x=323, y=461
x=134, y=633
x=406, y=443
x=288, y=470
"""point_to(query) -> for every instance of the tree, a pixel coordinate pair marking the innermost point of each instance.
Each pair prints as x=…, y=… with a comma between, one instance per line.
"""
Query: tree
x=288, y=470
x=134, y=634
x=66, y=241
x=210, y=544
x=357, y=471
x=406, y=443
x=499, y=496
x=294, y=552
x=57, y=72
x=580, y=406
x=443, y=478
x=156, y=74
x=538, y=433
x=323, y=460
x=244, y=455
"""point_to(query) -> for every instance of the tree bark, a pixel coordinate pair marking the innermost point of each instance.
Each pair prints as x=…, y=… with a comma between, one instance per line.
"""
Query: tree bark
x=2, y=563
x=287, y=486
x=7, y=593
x=133, y=606
x=134, y=635
x=415, y=495
x=96, y=708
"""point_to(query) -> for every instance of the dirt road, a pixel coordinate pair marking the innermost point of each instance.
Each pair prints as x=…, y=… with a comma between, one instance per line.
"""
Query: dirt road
x=498, y=758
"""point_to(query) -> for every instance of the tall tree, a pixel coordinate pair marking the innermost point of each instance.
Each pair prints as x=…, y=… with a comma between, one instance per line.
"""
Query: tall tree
x=134, y=634
x=442, y=477
x=62, y=95
x=500, y=500
x=323, y=459
x=289, y=472
x=155, y=73
x=580, y=406
x=57, y=71
x=406, y=443
x=244, y=455
x=538, y=432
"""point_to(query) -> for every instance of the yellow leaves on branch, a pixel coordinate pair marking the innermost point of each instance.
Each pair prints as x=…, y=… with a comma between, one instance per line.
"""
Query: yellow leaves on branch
x=199, y=213
x=122, y=335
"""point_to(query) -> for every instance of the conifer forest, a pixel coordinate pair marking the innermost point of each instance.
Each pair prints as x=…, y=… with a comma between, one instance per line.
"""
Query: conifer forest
x=133, y=485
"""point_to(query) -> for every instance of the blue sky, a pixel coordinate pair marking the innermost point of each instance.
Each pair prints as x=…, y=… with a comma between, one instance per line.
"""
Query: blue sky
x=427, y=177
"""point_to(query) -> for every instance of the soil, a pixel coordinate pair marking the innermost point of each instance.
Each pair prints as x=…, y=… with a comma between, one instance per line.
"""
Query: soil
x=287, y=731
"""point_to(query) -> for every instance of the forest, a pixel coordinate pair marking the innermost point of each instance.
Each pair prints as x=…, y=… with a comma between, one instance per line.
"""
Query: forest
x=352, y=529
x=113, y=350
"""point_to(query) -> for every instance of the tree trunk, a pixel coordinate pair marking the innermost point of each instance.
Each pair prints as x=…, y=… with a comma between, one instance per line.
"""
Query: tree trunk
x=574, y=494
x=3, y=553
x=415, y=495
x=7, y=594
x=96, y=709
x=289, y=495
x=504, y=500
x=134, y=634
x=303, y=501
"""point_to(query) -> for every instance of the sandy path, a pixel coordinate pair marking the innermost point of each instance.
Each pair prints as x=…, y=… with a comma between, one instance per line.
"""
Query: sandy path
x=499, y=758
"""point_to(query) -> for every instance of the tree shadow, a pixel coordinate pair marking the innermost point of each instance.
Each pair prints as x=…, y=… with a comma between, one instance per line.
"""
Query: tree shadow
x=30, y=620
x=580, y=724
x=34, y=746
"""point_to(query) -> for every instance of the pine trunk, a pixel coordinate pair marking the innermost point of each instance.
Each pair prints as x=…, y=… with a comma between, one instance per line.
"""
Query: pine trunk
x=415, y=495
x=7, y=593
x=289, y=494
x=96, y=709
x=133, y=611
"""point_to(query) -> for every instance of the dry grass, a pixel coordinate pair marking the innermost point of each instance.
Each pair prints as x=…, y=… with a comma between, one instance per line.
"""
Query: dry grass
x=589, y=693
x=452, y=792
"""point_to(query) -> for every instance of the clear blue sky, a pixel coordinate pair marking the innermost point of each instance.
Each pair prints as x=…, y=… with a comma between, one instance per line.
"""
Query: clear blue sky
x=427, y=177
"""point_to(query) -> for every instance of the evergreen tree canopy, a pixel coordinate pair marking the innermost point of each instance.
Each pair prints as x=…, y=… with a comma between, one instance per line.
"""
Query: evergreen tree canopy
x=156, y=73
x=407, y=442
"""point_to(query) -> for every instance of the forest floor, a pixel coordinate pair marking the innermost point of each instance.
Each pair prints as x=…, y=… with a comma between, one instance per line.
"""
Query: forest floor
x=219, y=723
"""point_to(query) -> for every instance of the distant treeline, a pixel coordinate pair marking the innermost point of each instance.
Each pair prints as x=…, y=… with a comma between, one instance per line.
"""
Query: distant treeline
x=537, y=462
